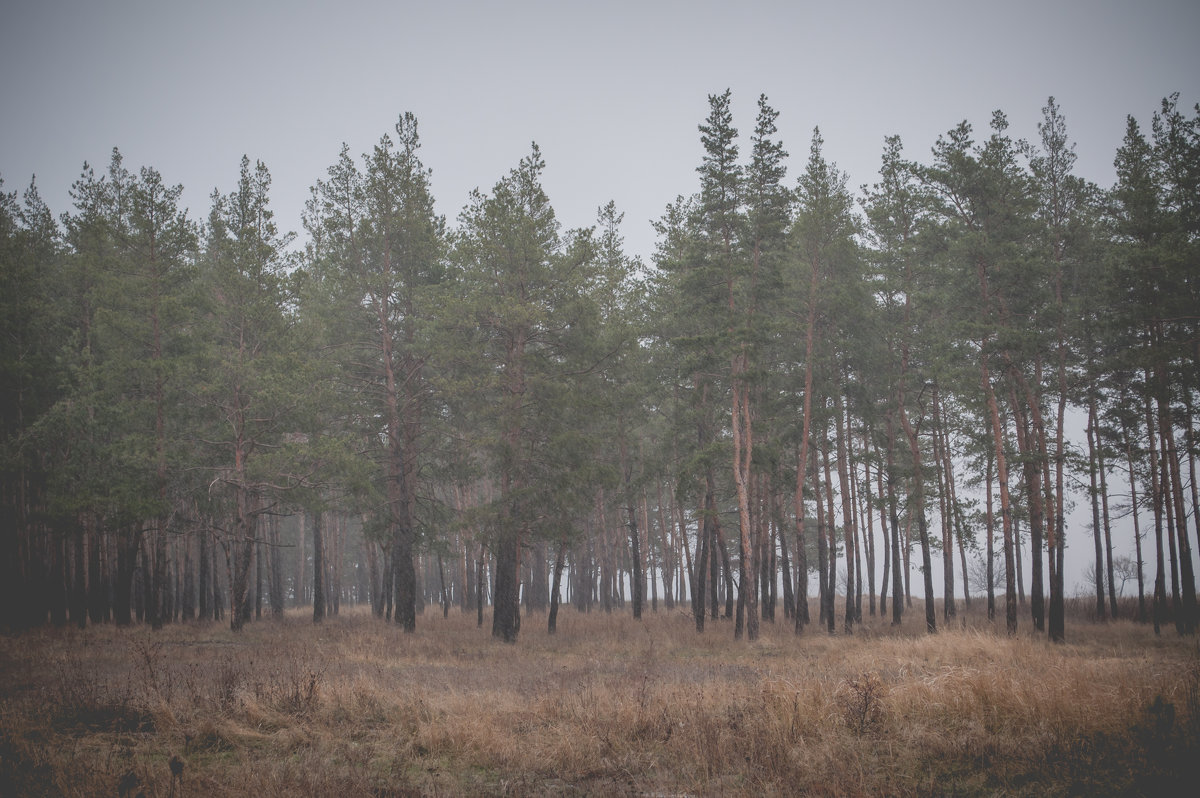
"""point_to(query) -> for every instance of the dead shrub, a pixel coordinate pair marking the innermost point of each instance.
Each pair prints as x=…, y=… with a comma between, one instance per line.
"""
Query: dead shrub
x=150, y=669
x=862, y=703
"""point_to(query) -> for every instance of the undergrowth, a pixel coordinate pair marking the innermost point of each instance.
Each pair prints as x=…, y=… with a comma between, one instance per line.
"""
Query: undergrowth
x=606, y=706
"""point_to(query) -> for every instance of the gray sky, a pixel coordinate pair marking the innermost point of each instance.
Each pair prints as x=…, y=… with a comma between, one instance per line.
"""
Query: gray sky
x=611, y=91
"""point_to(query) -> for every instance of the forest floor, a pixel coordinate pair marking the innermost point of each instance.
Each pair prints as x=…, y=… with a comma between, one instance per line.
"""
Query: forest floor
x=607, y=706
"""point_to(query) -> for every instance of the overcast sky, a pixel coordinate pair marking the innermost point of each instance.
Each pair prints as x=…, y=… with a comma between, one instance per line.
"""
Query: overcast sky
x=611, y=91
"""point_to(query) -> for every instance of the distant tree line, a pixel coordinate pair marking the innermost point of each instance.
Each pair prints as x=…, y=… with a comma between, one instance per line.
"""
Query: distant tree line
x=206, y=418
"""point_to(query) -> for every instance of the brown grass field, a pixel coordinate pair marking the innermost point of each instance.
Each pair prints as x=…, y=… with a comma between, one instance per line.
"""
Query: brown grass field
x=608, y=706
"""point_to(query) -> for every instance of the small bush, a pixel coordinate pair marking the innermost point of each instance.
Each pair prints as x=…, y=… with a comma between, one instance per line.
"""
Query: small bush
x=861, y=701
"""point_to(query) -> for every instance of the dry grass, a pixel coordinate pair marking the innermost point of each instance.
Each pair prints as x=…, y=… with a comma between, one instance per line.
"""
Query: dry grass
x=607, y=706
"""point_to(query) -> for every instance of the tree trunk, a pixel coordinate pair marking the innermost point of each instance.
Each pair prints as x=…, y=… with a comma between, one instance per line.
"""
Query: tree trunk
x=399, y=510
x=479, y=586
x=823, y=554
x=375, y=577
x=650, y=560
x=1106, y=520
x=669, y=564
x=1010, y=597
x=1187, y=603
x=404, y=579
x=1016, y=544
x=789, y=595
x=828, y=524
x=335, y=562
x=275, y=562
x=712, y=546
x=79, y=579
x=218, y=590
x=318, y=554
x=1137, y=532
x=869, y=504
x=894, y=520
x=743, y=447
x=128, y=542
x=802, y=612
x=637, y=579
x=259, y=576
x=188, y=608
x=960, y=527
x=1094, y=495
x=442, y=587
x=506, y=601
x=766, y=562
x=726, y=566
x=1190, y=452
x=241, y=611
x=885, y=581
x=552, y=622
x=1033, y=492
x=917, y=499
x=849, y=526
x=204, y=575
x=1160, y=582
x=99, y=605
x=991, y=537
x=941, y=452
x=606, y=556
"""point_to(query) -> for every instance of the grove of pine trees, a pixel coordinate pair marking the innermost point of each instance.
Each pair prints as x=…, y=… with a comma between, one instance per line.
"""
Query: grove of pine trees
x=806, y=384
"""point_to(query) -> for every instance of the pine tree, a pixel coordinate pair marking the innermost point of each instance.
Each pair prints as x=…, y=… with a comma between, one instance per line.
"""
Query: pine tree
x=896, y=209
x=821, y=277
x=525, y=306
x=251, y=373
x=379, y=244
